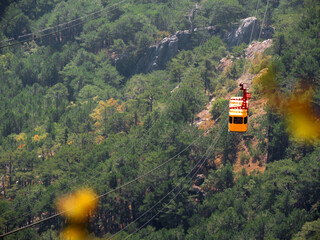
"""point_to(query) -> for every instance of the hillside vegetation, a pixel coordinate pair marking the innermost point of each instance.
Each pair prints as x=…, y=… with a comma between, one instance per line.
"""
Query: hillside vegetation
x=71, y=118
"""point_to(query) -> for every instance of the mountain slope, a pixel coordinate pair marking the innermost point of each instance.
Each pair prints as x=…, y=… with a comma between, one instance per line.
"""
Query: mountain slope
x=71, y=118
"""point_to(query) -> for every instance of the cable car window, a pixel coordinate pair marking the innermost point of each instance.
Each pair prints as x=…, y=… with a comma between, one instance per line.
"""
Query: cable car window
x=230, y=119
x=245, y=120
x=238, y=120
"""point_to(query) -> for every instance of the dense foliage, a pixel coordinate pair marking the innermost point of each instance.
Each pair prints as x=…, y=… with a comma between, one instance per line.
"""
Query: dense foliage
x=70, y=117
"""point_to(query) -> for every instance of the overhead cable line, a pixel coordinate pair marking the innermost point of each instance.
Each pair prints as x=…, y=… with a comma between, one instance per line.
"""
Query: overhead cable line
x=182, y=188
x=150, y=171
x=197, y=165
x=264, y=18
x=261, y=28
x=245, y=63
x=105, y=194
x=56, y=29
x=31, y=225
x=116, y=5
x=216, y=140
x=169, y=99
x=185, y=74
x=213, y=145
x=126, y=184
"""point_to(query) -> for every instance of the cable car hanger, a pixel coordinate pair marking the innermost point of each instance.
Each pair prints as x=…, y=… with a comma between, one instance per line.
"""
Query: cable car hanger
x=238, y=111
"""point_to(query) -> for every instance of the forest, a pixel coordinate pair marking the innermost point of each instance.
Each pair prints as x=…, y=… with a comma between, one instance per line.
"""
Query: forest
x=82, y=108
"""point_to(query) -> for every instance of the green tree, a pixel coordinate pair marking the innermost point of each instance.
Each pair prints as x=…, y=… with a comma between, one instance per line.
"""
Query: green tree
x=218, y=107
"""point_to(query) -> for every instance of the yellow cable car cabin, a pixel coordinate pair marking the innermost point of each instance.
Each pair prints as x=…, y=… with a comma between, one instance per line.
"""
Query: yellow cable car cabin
x=238, y=112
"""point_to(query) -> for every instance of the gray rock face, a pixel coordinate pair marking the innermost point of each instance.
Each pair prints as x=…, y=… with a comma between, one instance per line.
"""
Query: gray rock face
x=156, y=57
x=242, y=33
x=184, y=38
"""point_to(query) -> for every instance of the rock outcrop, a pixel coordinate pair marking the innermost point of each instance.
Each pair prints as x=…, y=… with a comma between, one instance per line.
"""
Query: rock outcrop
x=257, y=48
x=156, y=57
x=242, y=33
x=225, y=63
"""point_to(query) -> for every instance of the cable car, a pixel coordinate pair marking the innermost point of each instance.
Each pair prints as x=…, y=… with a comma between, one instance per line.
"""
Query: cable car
x=238, y=111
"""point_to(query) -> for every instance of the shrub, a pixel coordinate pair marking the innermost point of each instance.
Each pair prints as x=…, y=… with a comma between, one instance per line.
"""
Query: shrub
x=217, y=107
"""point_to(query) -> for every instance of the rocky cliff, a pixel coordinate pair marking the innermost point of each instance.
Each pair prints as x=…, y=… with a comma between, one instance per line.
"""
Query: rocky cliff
x=156, y=57
x=243, y=32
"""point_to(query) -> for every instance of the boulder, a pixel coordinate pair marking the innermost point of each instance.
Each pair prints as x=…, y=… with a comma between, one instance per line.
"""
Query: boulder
x=243, y=32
